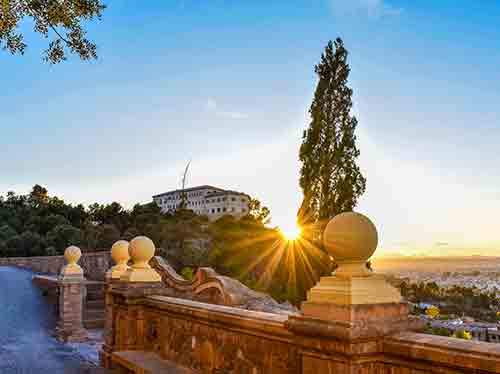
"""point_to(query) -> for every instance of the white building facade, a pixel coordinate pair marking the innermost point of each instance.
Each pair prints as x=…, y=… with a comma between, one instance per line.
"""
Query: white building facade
x=213, y=202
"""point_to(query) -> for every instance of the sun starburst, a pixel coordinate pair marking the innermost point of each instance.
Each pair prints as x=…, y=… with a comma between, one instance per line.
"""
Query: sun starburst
x=291, y=233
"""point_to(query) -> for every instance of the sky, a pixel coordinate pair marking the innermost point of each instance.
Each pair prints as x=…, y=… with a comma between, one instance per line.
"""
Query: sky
x=228, y=84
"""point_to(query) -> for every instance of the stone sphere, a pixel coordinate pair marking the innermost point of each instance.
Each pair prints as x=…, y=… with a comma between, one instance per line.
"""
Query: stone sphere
x=141, y=249
x=350, y=237
x=119, y=251
x=72, y=254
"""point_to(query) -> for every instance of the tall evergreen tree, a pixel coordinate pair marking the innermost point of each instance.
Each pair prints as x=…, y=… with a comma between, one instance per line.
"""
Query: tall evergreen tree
x=329, y=177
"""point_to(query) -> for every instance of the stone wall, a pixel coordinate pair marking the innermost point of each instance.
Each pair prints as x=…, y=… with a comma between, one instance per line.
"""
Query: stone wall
x=95, y=264
x=221, y=339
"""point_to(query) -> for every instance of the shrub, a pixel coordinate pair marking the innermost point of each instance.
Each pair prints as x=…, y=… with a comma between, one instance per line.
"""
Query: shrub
x=187, y=273
x=462, y=334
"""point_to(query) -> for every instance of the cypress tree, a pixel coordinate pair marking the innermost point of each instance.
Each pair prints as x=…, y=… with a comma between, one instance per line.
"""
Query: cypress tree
x=329, y=177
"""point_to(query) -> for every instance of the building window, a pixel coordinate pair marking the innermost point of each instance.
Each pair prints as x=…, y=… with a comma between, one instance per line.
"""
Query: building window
x=223, y=209
x=233, y=199
x=218, y=210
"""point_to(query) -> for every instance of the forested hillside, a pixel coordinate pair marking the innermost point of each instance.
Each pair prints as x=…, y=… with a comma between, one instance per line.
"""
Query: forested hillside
x=38, y=224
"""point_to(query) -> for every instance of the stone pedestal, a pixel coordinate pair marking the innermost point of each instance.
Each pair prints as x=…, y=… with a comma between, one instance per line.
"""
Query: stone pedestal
x=72, y=292
x=109, y=323
x=125, y=286
x=353, y=322
x=345, y=290
x=354, y=306
x=131, y=334
x=71, y=301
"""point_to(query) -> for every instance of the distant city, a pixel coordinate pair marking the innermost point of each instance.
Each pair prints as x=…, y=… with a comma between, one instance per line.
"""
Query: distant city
x=481, y=272
x=464, y=292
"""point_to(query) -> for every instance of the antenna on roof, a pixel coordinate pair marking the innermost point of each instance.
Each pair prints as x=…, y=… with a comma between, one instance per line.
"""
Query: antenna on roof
x=184, y=182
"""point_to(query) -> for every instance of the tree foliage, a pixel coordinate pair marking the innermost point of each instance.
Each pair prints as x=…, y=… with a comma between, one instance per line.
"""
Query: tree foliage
x=59, y=21
x=259, y=212
x=330, y=179
x=39, y=224
x=462, y=334
x=262, y=259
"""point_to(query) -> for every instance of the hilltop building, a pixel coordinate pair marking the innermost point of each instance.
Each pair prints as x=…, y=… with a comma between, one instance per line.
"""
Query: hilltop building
x=213, y=202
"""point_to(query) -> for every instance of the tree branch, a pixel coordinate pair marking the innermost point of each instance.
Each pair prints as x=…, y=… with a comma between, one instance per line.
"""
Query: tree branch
x=41, y=19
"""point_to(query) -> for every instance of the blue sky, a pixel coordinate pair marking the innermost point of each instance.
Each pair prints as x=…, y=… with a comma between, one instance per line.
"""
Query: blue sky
x=228, y=84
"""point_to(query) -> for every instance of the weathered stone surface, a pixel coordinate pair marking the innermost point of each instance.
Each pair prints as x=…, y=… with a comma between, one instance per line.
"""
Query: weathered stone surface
x=208, y=286
x=93, y=294
x=148, y=362
x=442, y=351
x=218, y=339
x=70, y=323
x=213, y=343
x=355, y=321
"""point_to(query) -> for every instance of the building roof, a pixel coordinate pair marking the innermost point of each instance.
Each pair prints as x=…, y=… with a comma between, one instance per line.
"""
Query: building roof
x=226, y=192
x=203, y=187
x=220, y=191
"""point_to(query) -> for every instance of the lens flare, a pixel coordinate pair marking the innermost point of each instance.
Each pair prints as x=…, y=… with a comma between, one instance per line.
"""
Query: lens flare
x=291, y=233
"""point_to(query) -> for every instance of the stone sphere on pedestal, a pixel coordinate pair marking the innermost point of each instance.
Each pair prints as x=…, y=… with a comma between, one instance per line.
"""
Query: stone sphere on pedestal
x=72, y=254
x=72, y=270
x=359, y=302
x=141, y=250
x=120, y=255
x=351, y=239
x=119, y=252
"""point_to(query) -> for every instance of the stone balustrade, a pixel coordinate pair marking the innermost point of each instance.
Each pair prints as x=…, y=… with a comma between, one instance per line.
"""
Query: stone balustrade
x=72, y=290
x=209, y=286
x=352, y=322
x=94, y=264
x=72, y=293
x=219, y=339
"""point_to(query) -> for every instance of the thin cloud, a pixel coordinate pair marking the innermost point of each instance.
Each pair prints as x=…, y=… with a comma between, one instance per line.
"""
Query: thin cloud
x=441, y=244
x=212, y=106
x=370, y=8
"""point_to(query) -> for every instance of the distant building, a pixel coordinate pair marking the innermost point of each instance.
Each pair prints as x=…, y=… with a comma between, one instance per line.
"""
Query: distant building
x=213, y=202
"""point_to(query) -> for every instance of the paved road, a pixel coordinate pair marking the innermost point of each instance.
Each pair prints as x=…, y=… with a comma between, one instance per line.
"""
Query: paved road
x=26, y=320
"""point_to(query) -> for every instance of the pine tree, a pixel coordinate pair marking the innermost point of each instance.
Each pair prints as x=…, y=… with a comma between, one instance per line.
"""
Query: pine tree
x=329, y=177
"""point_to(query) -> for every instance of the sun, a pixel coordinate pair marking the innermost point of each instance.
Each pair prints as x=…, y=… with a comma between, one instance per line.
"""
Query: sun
x=290, y=232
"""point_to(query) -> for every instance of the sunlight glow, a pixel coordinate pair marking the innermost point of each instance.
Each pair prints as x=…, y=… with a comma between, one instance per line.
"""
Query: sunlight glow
x=291, y=233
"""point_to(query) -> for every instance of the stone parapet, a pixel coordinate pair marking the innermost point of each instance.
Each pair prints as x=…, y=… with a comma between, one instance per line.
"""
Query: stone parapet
x=353, y=321
x=357, y=321
x=429, y=352
x=215, y=338
x=94, y=264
